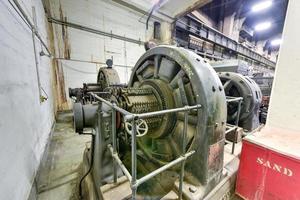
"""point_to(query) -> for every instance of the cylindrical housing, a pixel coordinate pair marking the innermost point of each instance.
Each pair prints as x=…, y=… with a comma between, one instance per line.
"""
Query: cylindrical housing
x=84, y=116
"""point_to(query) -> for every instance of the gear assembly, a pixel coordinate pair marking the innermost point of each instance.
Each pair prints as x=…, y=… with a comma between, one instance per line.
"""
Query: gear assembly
x=165, y=130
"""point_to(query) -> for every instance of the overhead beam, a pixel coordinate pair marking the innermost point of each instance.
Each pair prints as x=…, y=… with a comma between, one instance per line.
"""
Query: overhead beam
x=168, y=10
x=178, y=8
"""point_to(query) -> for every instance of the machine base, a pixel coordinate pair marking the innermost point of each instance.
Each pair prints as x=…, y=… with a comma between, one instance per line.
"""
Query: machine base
x=121, y=190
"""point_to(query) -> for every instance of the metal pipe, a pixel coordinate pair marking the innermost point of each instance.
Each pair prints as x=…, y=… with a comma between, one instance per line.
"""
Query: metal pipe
x=238, y=112
x=163, y=168
x=133, y=117
x=133, y=159
x=161, y=112
x=130, y=116
x=97, y=93
x=90, y=61
x=33, y=29
x=119, y=162
x=35, y=56
x=95, y=31
x=236, y=123
x=121, y=110
x=150, y=14
x=231, y=129
x=234, y=99
x=114, y=132
x=230, y=97
x=183, y=152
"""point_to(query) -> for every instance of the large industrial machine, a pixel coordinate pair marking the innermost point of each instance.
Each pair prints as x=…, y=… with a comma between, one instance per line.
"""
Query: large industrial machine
x=166, y=127
x=237, y=85
x=234, y=75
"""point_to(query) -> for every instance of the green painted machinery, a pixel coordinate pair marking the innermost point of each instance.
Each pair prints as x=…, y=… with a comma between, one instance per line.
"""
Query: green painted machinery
x=163, y=78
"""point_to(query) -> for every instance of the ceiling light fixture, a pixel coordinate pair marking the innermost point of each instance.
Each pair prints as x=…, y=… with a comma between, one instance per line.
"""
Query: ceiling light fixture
x=262, y=26
x=276, y=42
x=262, y=6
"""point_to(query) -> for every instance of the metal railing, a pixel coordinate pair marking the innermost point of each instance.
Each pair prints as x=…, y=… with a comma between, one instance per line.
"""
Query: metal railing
x=131, y=117
x=239, y=101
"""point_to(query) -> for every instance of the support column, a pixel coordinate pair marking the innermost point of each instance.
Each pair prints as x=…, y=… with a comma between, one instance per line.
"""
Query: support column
x=284, y=110
x=166, y=33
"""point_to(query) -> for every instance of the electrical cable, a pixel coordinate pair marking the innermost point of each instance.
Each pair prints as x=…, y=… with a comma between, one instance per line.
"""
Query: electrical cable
x=149, y=16
x=154, y=7
x=77, y=70
x=90, y=167
x=92, y=62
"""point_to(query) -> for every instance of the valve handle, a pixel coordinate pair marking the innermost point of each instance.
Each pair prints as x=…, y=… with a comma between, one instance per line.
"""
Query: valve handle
x=141, y=128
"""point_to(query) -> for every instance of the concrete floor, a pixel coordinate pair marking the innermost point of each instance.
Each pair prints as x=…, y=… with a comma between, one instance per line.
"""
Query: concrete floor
x=60, y=170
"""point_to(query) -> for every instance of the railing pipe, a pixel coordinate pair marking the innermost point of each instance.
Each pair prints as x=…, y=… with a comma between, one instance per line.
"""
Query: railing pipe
x=121, y=110
x=161, y=112
x=236, y=99
x=114, y=142
x=133, y=117
x=183, y=150
x=163, y=168
x=133, y=159
x=120, y=163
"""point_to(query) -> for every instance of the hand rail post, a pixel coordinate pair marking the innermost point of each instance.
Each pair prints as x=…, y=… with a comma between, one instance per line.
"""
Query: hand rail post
x=133, y=159
x=114, y=141
x=183, y=151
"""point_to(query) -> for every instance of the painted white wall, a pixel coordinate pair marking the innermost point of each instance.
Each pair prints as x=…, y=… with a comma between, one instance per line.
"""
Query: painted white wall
x=284, y=111
x=102, y=15
x=25, y=123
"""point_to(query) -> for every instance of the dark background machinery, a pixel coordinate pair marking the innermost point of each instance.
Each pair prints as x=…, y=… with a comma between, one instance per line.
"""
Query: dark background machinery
x=232, y=65
x=237, y=85
x=164, y=78
x=265, y=84
x=235, y=78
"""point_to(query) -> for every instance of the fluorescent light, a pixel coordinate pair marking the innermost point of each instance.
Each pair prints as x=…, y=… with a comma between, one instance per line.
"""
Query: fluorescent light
x=276, y=42
x=262, y=26
x=261, y=6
